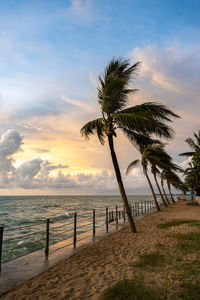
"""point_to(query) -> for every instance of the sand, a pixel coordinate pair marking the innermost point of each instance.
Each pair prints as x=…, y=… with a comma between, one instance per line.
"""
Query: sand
x=87, y=273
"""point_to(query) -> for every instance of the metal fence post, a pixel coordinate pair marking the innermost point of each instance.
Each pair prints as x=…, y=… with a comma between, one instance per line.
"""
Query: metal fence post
x=75, y=219
x=1, y=244
x=47, y=237
x=116, y=217
x=106, y=219
x=93, y=224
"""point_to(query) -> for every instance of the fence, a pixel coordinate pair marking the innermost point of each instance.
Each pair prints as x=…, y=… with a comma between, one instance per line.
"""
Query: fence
x=51, y=233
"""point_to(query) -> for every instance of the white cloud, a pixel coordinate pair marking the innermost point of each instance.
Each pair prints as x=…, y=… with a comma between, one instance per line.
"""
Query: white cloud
x=81, y=7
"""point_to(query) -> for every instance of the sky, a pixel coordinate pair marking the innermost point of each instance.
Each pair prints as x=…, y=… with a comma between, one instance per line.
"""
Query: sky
x=51, y=54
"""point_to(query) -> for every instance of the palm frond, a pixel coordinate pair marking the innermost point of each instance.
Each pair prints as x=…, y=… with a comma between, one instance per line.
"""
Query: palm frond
x=160, y=129
x=140, y=141
x=92, y=127
x=158, y=111
x=132, y=165
x=197, y=136
x=192, y=144
x=187, y=154
x=113, y=90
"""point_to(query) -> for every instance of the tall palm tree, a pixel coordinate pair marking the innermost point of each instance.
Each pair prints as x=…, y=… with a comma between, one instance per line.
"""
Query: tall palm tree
x=155, y=155
x=195, y=146
x=144, y=164
x=172, y=179
x=113, y=95
x=158, y=158
x=192, y=177
x=162, y=184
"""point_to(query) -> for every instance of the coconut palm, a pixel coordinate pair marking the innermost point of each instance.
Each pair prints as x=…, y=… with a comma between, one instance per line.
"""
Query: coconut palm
x=172, y=179
x=154, y=155
x=144, y=164
x=158, y=158
x=113, y=95
x=192, y=177
x=162, y=184
x=194, y=145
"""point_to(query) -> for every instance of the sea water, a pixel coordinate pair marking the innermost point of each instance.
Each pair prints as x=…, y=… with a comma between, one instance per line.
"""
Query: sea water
x=24, y=219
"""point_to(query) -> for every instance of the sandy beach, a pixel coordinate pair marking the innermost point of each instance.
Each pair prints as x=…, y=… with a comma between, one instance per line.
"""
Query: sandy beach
x=87, y=273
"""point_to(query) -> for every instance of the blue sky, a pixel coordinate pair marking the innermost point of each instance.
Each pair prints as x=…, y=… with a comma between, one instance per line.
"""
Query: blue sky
x=51, y=53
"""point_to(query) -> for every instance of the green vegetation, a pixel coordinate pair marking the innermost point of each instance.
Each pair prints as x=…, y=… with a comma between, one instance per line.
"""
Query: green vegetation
x=192, y=173
x=130, y=290
x=189, y=242
x=189, y=291
x=151, y=260
x=176, y=263
x=178, y=223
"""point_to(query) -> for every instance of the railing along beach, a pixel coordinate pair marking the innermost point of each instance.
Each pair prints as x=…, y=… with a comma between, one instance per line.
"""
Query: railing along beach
x=42, y=235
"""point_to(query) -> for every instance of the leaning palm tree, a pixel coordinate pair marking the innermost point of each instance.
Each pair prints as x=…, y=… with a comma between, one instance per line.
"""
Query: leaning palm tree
x=172, y=179
x=144, y=163
x=192, y=177
x=113, y=95
x=194, y=145
x=158, y=158
x=162, y=184
x=153, y=154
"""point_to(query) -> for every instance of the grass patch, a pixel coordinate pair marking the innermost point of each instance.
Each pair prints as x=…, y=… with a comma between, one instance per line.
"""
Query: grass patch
x=153, y=259
x=178, y=223
x=130, y=290
x=189, y=291
x=195, y=223
x=189, y=242
x=190, y=268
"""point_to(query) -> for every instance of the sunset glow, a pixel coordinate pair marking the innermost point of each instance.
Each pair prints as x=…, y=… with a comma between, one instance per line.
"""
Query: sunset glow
x=51, y=54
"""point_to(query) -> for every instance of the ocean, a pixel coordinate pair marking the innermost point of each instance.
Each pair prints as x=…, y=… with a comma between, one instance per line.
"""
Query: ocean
x=24, y=219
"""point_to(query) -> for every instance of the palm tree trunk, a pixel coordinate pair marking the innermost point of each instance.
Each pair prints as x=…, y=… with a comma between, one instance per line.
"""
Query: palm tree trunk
x=152, y=190
x=169, y=188
x=164, y=192
x=156, y=181
x=120, y=184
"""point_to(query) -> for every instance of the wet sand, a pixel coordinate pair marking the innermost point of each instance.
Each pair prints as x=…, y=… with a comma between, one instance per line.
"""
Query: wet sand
x=87, y=273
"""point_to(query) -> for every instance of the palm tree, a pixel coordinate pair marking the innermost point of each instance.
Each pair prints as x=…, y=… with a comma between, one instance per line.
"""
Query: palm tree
x=152, y=153
x=113, y=96
x=158, y=158
x=192, y=177
x=195, y=146
x=172, y=179
x=162, y=184
x=144, y=164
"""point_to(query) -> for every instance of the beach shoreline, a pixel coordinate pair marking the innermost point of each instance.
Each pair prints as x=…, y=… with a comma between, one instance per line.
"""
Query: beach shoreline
x=89, y=271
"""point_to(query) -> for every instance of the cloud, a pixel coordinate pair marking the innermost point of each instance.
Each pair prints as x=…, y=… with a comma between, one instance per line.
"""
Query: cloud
x=10, y=143
x=41, y=174
x=171, y=76
x=81, y=7
x=170, y=69
x=79, y=103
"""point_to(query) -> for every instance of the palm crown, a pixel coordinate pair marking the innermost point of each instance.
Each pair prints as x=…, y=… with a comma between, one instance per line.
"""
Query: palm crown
x=195, y=146
x=113, y=96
